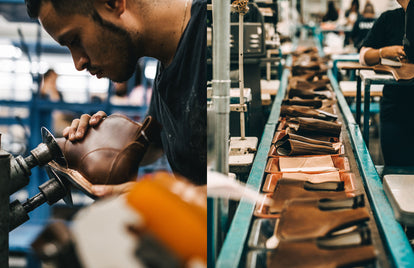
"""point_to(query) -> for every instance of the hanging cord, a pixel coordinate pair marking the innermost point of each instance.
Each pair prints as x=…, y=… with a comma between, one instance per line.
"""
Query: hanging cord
x=406, y=42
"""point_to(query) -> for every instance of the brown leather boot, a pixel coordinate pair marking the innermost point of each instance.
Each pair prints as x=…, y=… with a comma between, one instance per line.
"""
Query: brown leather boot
x=110, y=153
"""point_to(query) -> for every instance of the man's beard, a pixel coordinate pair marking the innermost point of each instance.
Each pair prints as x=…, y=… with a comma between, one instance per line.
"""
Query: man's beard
x=121, y=43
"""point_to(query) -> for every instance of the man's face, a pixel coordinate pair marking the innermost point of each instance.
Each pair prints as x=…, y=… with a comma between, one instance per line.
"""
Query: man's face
x=104, y=50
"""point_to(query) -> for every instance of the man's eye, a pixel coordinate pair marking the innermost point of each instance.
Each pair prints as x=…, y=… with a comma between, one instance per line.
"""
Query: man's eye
x=75, y=42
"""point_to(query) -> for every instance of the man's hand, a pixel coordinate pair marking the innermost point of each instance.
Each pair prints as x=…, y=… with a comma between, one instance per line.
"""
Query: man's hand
x=78, y=128
x=393, y=52
x=108, y=190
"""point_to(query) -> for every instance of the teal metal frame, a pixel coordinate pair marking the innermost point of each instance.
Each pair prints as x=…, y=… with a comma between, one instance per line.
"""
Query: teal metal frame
x=233, y=246
x=393, y=235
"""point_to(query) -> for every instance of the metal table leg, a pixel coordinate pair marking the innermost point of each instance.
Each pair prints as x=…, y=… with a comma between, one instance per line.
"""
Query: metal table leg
x=367, y=102
x=358, y=100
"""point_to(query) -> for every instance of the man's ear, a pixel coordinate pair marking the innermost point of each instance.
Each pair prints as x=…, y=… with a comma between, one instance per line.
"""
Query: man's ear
x=114, y=7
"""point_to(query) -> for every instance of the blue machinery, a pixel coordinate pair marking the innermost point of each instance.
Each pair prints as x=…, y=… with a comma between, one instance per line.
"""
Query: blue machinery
x=396, y=244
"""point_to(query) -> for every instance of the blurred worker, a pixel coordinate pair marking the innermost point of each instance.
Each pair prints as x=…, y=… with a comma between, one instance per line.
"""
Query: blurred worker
x=363, y=25
x=351, y=16
x=385, y=40
x=139, y=95
x=48, y=89
x=332, y=13
x=352, y=13
x=120, y=90
x=108, y=37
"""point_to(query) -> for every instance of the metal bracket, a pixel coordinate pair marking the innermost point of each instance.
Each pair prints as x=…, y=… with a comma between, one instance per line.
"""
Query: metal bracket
x=238, y=108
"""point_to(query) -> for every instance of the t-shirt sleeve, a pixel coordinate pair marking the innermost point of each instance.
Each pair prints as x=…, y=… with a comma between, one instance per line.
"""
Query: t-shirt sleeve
x=376, y=36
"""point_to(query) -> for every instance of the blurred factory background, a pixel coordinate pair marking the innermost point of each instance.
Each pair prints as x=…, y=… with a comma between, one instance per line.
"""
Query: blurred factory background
x=40, y=87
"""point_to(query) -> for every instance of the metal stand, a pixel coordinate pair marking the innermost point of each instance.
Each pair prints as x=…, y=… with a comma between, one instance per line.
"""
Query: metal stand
x=4, y=206
x=242, y=148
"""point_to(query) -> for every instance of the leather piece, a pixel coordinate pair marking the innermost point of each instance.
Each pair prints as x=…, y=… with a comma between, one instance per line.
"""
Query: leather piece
x=291, y=147
x=303, y=219
x=302, y=102
x=304, y=125
x=309, y=75
x=308, y=254
x=306, y=85
x=309, y=70
x=291, y=136
x=404, y=72
x=111, y=152
x=307, y=164
x=310, y=94
x=310, y=135
x=287, y=189
x=301, y=111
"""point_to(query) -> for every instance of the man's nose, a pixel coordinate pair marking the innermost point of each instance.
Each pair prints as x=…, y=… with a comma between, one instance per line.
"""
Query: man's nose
x=80, y=60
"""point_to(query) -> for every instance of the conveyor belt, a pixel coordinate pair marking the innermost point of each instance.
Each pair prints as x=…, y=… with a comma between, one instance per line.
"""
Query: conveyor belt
x=388, y=238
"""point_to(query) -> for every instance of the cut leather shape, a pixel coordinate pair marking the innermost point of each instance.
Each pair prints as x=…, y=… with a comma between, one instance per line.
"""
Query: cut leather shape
x=328, y=252
x=404, y=72
x=314, y=178
x=280, y=140
x=111, y=152
x=335, y=204
x=311, y=71
x=309, y=75
x=303, y=218
x=291, y=136
x=271, y=179
x=324, y=186
x=310, y=135
x=307, y=164
x=287, y=189
x=303, y=125
x=306, y=85
x=310, y=94
x=306, y=64
x=291, y=147
x=301, y=111
x=302, y=102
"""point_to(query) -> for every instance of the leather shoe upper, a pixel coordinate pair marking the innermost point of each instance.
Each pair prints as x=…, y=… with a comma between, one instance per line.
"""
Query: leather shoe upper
x=110, y=153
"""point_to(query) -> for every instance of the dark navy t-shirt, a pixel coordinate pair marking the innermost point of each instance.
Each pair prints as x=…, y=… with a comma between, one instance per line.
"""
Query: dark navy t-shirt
x=179, y=100
x=361, y=28
x=388, y=30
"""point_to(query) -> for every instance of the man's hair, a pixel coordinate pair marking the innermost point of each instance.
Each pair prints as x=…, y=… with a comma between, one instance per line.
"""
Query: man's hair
x=68, y=7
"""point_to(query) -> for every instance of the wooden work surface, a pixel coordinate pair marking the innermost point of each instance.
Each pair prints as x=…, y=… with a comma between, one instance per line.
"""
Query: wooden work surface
x=349, y=89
